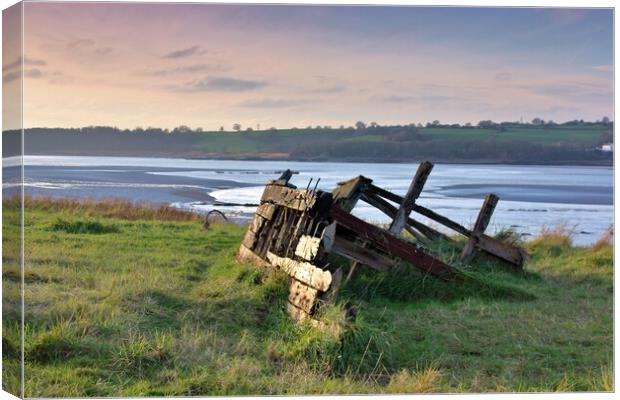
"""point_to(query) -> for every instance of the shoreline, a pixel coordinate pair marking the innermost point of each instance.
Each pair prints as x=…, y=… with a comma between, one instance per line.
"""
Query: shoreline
x=283, y=158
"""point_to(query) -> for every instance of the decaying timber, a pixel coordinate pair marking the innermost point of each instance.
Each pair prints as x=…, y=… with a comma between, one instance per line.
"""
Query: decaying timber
x=296, y=230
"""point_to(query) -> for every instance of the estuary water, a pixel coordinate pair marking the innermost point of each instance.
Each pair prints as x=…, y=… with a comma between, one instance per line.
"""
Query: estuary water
x=531, y=197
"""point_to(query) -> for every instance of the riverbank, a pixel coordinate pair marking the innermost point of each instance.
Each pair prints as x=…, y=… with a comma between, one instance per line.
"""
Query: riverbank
x=531, y=197
x=608, y=162
x=132, y=301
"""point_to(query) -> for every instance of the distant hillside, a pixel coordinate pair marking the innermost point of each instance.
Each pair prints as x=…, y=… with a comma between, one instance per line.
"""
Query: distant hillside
x=497, y=143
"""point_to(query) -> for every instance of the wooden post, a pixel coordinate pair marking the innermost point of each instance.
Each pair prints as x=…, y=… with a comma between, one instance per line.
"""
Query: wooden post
x=414, y=191
x=484, y=217
x=286, y=176
x=389, y=210
x=346, y=195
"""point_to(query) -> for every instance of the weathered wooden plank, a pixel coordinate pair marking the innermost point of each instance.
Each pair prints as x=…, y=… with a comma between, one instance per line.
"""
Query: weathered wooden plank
x=246, y=255
x=484, y=217
x=510, y=254
x=266, y=210
x=286, y=175
x=308, y=247
x=250, y=239
x=430, y=214
x=302, y=271
x=300, y=223
x=417, y=235
x=393, y=245
x=301, y=316
x=357, y=252
x=486, y=212
x=389, y=210
x=302, y=296
x=268, y=234
x=299, y=200
x=285, y=230
x=330, y=296
x=347, y=193
x=413, y=192
x=257, y=223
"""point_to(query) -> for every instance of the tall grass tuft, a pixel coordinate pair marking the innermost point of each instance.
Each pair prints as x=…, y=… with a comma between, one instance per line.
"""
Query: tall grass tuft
x=82, y=227
x=422, y=381
x=553, y=240
x=138, y=353
x=606, y=240
x=109, y=208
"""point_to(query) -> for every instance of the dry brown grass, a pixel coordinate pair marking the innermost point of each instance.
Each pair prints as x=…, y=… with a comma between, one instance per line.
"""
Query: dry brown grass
x=424, y=381
x=111, y=208
x=560, y=236
x=607, y=239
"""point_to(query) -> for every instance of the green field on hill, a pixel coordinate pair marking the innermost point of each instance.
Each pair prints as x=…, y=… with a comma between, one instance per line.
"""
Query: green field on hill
x=129, y=301
x=509, y=143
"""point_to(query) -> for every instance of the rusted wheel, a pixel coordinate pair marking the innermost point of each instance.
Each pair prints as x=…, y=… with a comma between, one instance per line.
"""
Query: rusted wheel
x=214, y=216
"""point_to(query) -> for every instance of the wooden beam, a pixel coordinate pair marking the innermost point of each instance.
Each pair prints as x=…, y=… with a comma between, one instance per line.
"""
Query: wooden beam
x=347, y=193
x=484, y=217
x=286, y=176
x=246, y=255
x=302, y=271
x=486, y=212
x=361, y=254
x=303, y=296
x=389, y=210
x=414, y=191
x=430, y=214
x=266, y=210
x=301, y=316
x=392, y=245
x=308, y=247
x=299, y=200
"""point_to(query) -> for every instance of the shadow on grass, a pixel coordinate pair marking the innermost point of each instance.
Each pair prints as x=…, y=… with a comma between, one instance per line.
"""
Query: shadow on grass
x=405, y=283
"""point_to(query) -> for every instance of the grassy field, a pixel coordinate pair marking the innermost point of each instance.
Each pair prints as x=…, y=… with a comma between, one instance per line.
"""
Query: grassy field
x=125, y=301
x=248, y=142
x=513, y=143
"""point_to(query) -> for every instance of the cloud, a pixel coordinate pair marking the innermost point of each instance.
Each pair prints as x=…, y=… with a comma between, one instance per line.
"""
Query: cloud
x=185, y=52
x=503, y=76
x=603, y=68
x=222, y=84
x=274, y=103
x=80, y=43
x=567, y=89
x=410, y=99
x=59, y=78
x=102, y=51
x=28, y=73
x=185, y=69
x=27, y=62
x=329, y=89
x=328, y=84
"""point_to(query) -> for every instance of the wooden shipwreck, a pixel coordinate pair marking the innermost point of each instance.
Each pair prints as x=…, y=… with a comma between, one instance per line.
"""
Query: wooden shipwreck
x=296, y=231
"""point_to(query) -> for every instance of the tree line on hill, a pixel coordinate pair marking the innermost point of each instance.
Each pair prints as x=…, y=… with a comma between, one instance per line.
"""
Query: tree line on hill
x=397, y=143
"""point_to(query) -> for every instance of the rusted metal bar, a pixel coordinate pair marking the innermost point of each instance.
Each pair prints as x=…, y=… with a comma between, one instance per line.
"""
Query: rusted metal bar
x=397, y=247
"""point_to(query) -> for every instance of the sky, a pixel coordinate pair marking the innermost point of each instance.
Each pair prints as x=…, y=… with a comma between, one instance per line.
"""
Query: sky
x=212, y=65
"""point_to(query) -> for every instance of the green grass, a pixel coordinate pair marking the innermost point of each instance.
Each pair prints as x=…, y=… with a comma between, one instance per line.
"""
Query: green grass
x=160, y=307
x=581, y=135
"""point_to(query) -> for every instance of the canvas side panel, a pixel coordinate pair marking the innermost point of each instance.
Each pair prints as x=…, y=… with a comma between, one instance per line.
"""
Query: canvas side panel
x=12, y=201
